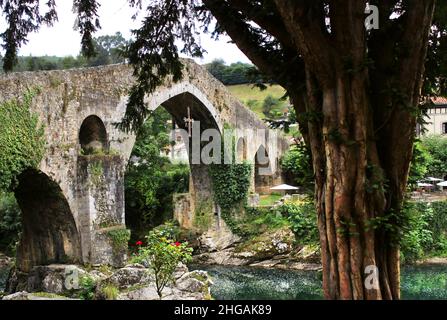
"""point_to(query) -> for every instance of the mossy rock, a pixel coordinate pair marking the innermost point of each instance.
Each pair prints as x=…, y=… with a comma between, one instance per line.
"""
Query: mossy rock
x=268, y=244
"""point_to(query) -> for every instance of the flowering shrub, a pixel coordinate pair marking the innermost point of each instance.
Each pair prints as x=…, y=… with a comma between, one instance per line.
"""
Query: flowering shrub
x=162, y=255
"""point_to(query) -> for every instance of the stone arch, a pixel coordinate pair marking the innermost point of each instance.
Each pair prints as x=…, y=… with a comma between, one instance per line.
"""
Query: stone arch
x=176, y=101
x=241, y=149
x=263, y=176
x=184, y=91
x=49, y=230
x=93, y=135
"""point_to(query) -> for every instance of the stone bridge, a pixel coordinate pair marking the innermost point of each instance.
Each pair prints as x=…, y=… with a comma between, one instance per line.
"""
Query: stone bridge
x=73, y=206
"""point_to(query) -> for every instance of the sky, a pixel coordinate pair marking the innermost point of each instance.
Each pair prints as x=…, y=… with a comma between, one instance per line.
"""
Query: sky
x=115, y=15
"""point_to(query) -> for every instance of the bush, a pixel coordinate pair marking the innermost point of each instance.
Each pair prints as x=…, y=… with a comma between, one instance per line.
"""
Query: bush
x=258, y=220
x=269, y=104
x=297, y=166
x=162, y=255
x=303, y=220
x=110, y=292
x=425, y=233
x=87, y=287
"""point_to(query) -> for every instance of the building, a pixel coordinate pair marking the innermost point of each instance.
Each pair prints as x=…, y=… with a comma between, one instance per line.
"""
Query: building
x=436, y=119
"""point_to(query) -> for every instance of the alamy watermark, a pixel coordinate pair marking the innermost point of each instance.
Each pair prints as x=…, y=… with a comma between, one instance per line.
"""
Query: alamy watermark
x=232, y=146
x=372, y=20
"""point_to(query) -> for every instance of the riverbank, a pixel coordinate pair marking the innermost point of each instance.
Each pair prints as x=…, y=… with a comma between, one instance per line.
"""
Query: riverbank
x=133, y=282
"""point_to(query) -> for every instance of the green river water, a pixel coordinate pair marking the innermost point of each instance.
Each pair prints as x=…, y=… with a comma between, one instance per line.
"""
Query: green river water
x=247, y=283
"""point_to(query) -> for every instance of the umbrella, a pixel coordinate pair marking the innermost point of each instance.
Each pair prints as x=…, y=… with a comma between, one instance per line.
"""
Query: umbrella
x=284, y=187
x=433, y=179
x=422, y=184
x=442, y=184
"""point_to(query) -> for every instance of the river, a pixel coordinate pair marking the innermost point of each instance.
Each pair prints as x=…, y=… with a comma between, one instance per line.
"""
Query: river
x=248, y=283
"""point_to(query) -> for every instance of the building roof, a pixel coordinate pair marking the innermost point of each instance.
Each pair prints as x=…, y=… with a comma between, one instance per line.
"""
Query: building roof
x=440, y=101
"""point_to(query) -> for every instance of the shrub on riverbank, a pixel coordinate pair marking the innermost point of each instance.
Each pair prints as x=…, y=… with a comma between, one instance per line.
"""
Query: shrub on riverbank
x=425, y=234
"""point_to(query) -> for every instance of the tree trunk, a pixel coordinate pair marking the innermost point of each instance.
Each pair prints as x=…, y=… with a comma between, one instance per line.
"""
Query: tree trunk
x=359, y=122
x=359, y=256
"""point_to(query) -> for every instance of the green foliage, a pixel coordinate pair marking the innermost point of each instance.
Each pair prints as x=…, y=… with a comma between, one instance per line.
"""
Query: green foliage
x=258, y=220
x=300, y=217
x=269, y=104
x=110, y=292
x=253, y=97
x=236, y=73
x=22, y=17
x=297, y=166
x=203, y=215
x=425, y=233
x=303, y=221
x=119, y=239
x=87, y=287
x=10, y=222
x=21, y=139
x=230, y=183
x=420, y=163
x=436, y=146
x=162, y=255
x=269, y=200
x=108, y=50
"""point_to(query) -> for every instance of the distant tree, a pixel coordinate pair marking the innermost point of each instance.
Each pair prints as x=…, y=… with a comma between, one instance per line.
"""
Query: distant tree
x=108, y=50
x=436, y=146
x=297, y=166
x=236, y=73
x=420, y=164
x=217, y=69
x=269, y=104
x=251, y=103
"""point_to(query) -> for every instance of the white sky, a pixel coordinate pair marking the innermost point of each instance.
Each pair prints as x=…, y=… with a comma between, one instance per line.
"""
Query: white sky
x=115, y=15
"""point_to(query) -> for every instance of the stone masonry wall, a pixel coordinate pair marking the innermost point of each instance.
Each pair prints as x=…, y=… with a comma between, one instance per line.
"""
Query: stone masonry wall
x=68, y=97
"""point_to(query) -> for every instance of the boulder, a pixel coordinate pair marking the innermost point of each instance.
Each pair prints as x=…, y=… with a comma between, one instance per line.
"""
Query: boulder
x=56, y=279
x=130, y=276
x=23, y=295
x=267, y=245
x=218, y=239
x=193, y=285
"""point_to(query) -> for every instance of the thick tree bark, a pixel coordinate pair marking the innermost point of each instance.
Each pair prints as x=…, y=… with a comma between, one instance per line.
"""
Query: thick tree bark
x=360, y=135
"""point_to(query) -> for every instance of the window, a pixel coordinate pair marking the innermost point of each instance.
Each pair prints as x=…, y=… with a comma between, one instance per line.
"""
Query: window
x=444, y=128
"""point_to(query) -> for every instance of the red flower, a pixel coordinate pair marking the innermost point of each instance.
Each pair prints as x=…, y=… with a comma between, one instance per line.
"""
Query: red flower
x=139, y=243
x=177, y=244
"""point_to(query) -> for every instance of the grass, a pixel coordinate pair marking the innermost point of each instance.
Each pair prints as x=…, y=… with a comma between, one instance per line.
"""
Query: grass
x=247, y=92
x=269, y=199
x=110, y=292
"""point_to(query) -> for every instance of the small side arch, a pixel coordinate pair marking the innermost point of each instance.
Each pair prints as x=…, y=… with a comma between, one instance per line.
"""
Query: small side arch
x=93, y=135
x=263, y=171
x=241, y=150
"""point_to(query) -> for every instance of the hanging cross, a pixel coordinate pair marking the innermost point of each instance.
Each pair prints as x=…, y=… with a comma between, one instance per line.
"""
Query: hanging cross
x=189, y=121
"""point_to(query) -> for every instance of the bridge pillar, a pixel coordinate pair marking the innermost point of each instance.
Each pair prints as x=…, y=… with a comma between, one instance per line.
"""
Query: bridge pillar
x=101, y=209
